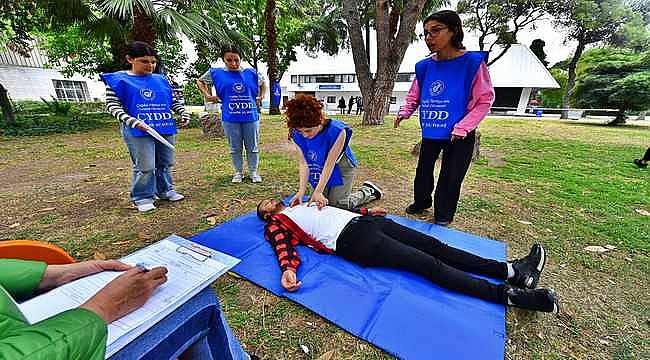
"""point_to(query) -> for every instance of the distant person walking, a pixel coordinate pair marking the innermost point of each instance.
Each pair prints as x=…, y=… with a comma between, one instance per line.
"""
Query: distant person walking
x=143, y=100
x=643, y=162
x=342, y=105
x=359, y=105
x=350, y=103
x=454, y=92
x=240, y=92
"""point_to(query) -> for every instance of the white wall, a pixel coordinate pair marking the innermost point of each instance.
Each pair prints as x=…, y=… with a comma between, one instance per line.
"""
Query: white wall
x=29, y=83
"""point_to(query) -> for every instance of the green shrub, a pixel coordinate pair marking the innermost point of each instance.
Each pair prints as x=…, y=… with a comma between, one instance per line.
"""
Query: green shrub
x=30, y=107
x=39, y=124
x=58, y=107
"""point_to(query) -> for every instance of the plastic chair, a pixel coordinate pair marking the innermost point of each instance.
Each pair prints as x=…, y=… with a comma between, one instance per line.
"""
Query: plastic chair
x=34, y=250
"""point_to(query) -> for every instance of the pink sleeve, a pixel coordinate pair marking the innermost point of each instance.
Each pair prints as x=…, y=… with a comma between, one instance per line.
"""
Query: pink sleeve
x=411, y=101
x=479, y=102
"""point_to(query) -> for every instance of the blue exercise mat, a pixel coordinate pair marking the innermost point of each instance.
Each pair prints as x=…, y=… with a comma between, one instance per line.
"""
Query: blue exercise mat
x=404, y=314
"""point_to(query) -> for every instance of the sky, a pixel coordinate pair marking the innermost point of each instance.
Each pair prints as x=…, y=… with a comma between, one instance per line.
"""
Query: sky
x=556, y=50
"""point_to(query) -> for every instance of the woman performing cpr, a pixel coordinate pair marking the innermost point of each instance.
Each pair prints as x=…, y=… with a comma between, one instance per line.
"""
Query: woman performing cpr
x=240, y=92
x=143, y=102
x=326, y=160
x=454, y=92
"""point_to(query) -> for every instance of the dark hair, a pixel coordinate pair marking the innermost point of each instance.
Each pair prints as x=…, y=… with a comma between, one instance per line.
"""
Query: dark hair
x=304, y=111
x=259, y=211
x=451, y=19
x=230, y=48
x=139, y=49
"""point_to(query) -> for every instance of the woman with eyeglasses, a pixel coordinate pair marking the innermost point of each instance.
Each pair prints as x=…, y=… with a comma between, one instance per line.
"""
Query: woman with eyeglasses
x=325, y=158
x=454, y=93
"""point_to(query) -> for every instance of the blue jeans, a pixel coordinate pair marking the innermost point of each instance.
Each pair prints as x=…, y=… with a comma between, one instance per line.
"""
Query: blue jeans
x=152, y=162
x=197, y=328
x=248, y=134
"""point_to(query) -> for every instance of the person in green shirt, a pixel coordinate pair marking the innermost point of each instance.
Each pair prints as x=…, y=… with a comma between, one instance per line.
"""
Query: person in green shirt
x=74, y=334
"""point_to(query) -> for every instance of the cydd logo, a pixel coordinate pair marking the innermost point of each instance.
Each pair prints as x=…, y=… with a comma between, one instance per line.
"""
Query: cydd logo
x=238, y=87
x=147, y=94
x=437, y=88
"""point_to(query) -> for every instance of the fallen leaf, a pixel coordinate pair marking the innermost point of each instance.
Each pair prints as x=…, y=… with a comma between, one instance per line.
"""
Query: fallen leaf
x=120, y=169
x=121, y=242
x=524, y=222
x=282, y=332
x=610, y=247
x=212, y=220
x=304, y=348
x=14, y=225
x=326, y=356
x=47, y=209
x=310, y=324
x=642, y=212
x=530, y=191
x=99, y=256
x=604, y=342
x=87, y=201
x=597, y=249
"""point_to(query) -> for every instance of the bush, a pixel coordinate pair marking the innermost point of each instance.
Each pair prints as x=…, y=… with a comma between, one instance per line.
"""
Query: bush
x=30, y=107
x=39, y=124
x=58, y=107
x=192, y=94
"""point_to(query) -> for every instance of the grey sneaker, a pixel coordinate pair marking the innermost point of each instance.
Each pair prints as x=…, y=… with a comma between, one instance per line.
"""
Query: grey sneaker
x=237, y=178
x=146, y=207
x=376, y=190
x=172, y=195
x=255, y=177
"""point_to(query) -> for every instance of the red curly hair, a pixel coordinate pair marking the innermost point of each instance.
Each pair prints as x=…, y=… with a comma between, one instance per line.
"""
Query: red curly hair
x=304, y=111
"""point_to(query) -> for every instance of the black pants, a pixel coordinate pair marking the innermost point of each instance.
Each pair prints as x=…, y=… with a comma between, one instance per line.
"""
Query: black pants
x=646, y=157
x=379, y=242
x=456, y=157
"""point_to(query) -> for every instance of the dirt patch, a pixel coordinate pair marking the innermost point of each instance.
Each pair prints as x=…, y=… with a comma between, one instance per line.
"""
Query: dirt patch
x=494, y=158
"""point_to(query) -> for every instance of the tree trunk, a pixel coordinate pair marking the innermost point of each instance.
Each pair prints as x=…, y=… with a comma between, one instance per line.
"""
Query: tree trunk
x=571, y=80
x=143, y=27
x=390, y=52
x=7, y=107
x=272, y=47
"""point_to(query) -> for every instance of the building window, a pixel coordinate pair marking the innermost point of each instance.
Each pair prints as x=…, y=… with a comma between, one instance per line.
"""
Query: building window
x=294, y=79
x=325, y=78
x=393, y=100
x=405, y=77
x=337, y=78
x=69, y=90
x=331, y=99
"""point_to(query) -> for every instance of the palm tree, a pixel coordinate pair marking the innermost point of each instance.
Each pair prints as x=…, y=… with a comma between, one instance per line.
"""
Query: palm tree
x=121, y=21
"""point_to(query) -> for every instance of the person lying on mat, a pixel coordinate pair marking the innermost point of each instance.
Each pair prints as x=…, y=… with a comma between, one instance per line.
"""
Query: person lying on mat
x=366, y=237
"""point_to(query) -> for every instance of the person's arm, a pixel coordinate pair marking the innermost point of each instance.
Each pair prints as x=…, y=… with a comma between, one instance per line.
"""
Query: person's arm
x=283, y=241
x=411, y=102
x=115, y=107
x=262, y=88
x=332, y=156
x=479, y=105
x=204, y=83
x=179, y=108
x=303, y=173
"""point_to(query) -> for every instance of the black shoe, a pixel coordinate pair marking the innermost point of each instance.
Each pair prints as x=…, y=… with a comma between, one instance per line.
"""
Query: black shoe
x=529, y=269
x=640, y=163
x=376, y=190
x=442, y=223
x=545, y=300
x=414, y=210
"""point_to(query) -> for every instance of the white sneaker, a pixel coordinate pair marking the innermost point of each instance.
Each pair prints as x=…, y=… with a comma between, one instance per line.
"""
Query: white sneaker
x=256, y=178
x=375, y=189
x=146, y=207
x=172, y=195
x=237, y=178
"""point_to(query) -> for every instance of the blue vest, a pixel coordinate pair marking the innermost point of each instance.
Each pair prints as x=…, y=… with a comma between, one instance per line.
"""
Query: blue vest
x=238, y=92
x=147, y=98
x=315, y=151
x=445, y=89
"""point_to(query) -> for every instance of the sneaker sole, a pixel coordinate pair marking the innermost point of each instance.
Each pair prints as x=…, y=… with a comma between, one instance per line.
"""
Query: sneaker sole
x=374, y=187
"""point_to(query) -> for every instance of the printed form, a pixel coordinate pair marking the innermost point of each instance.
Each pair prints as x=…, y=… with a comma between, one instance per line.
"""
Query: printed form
x=191, y=268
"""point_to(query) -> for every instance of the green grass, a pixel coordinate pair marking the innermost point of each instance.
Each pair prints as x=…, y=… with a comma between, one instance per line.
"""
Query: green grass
x=575, y=183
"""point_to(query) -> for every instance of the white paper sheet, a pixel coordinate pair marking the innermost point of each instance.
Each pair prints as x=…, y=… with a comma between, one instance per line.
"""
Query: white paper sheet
x=191, y=268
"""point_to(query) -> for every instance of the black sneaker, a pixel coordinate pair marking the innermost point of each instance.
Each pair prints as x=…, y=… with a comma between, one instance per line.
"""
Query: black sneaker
x=414, y=210
x=529, y=269
x=544, y=300
x=640, y=163
x=376, y=190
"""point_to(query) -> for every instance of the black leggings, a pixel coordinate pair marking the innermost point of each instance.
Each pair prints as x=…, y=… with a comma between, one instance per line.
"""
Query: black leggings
x=456, y=157
x=373, y=241
x=646, y=157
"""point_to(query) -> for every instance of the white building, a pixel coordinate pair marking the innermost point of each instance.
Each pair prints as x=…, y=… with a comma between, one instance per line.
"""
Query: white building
x=28, y=78
x=331, y=77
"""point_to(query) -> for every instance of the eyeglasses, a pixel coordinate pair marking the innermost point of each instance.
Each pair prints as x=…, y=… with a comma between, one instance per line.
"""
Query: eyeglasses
x=433, y=32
